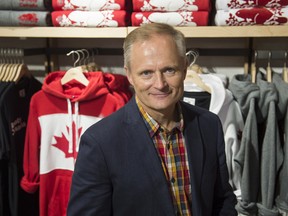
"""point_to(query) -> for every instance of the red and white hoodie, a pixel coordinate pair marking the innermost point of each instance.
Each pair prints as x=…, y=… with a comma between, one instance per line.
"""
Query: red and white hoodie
x=58, y=116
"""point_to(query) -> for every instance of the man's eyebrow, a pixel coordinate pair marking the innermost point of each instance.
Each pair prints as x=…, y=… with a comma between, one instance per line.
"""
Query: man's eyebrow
x=169, y=67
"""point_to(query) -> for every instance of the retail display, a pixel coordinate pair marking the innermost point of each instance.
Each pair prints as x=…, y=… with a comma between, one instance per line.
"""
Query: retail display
x=239, y=101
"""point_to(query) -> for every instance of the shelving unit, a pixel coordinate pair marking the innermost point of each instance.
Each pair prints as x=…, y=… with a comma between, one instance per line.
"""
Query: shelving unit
x=223, y=41
x=121, y=32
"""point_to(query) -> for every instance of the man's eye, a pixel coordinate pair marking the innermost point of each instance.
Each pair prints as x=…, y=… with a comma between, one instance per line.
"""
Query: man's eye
x=146, y=73
x=170, y=71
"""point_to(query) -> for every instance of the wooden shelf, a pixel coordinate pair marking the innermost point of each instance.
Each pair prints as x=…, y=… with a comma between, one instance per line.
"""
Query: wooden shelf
x=121, y=32
x=235, y=31
x=63, y=32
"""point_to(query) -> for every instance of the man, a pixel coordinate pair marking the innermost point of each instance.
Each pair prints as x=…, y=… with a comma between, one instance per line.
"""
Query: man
x=156, y=155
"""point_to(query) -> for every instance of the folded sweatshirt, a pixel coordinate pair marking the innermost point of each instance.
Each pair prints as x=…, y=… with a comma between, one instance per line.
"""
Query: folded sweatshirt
x=24, y=18
x=183, y=18
x=252, y=16
x=236, y=4
x=91, y=5
x=38, y=5
x=109, y=18
x=171, y=5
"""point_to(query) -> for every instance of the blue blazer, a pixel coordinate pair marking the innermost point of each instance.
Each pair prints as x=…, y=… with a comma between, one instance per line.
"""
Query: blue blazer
x=118, y=171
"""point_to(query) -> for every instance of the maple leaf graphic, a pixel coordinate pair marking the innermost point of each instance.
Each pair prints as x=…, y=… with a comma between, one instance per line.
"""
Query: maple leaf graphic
x=63, y=144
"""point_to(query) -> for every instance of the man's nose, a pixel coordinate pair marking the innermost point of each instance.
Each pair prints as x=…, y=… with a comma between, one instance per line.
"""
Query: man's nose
x=160, y=81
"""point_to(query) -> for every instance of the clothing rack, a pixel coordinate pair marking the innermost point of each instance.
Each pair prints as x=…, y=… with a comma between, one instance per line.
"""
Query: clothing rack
x=262, y=54
x=272, y=54
x=119, y=51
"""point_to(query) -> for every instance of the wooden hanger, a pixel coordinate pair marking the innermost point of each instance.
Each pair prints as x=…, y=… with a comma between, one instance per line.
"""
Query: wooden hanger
x=192, y=75
x=246, y=68
x=253, y=68
x=20, y=71
x=197, y=68
x=11, y=72
x=269, y=69
x=76, y=73
x=2, y=71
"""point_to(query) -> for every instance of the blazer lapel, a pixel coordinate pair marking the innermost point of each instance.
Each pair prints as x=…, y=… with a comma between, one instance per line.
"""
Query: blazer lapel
x=148, y=155
x=195, y=150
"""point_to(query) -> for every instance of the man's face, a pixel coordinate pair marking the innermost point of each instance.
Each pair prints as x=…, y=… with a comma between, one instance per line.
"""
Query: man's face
x=157, y=73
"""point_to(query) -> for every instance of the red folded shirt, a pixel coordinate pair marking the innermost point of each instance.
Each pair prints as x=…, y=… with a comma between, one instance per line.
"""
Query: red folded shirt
x=91, y=5
x=183, y=18
x=107, y=18
x=171, y=5
x=28, y=5
x=252, y=16
x=236, y=4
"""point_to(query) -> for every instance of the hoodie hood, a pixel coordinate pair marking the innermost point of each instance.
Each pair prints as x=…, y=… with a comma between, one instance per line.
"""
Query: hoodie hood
x=74, y=90
x=282, y=89
x=244, y=90
x=268, y=93
x=118, y=84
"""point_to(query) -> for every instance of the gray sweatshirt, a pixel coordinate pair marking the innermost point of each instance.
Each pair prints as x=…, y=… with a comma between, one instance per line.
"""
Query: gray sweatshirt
x=269, y=142
x=282, y=111
x=247, y=160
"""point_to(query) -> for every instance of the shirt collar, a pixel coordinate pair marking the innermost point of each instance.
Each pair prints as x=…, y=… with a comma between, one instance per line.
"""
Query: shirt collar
x=152, y=125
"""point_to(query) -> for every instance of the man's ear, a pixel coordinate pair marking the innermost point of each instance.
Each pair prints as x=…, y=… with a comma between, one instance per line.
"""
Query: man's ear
x=185, y=68
x=185, y=72
x=128, y=74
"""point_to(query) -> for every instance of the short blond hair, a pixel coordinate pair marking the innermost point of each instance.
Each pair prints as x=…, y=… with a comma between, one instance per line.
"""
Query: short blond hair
x=146, y=31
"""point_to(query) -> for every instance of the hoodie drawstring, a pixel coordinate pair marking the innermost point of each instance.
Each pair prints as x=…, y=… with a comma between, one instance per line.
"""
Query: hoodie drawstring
x=76, y=108
x=70, y=116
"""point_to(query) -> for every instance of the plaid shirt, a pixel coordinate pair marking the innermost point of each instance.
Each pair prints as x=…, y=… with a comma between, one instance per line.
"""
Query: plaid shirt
x=171, y=149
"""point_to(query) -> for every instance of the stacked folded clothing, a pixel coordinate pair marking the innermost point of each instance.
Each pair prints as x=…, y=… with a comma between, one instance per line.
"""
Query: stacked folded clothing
x=252, y=12
x=91, y=13
x=176, y=13
x=25, y=13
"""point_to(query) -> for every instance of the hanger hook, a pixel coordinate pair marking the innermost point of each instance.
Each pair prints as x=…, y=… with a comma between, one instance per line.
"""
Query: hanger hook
x=285, y=58
x=78, y=57
x=82, y=58
x=255, y=55
x=87, y=56
x=21, y=51
x=1, y=56
x=195, y=55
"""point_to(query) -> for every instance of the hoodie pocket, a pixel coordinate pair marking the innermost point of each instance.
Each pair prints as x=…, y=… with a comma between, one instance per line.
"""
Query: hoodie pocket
x=60, y=197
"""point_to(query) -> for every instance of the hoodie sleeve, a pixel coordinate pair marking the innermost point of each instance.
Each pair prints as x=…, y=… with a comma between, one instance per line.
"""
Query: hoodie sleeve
x=30, y=180
x=233, y=125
